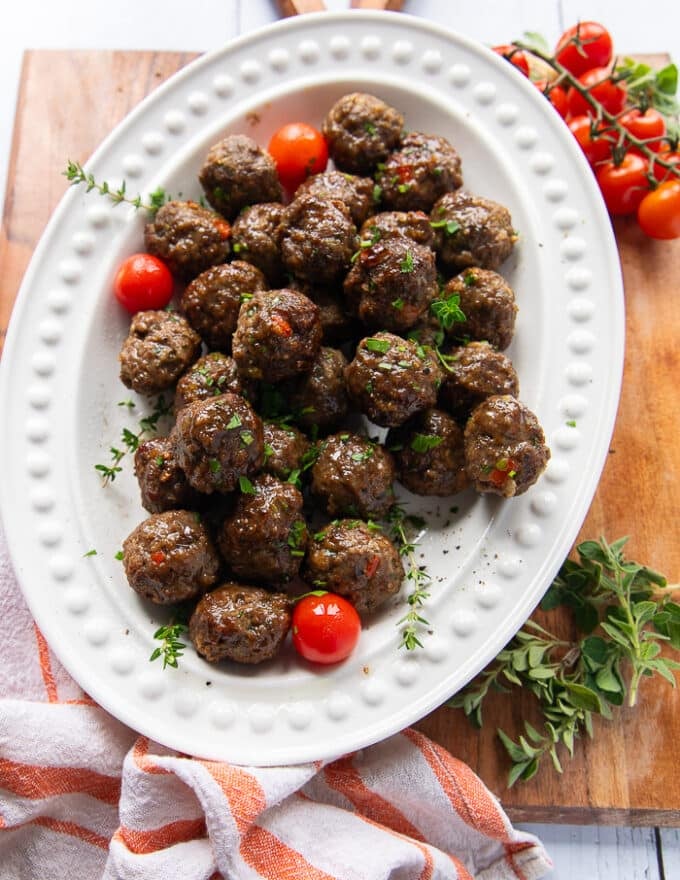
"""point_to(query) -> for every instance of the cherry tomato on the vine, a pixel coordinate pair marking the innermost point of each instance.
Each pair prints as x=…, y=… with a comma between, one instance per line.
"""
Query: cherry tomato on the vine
x=659, y=211
x=143, y=282
x=649, y=126
x=598, y=81
x=326, y=628
x=595, y=49
x=672, y=157
x=624, y=186
x=555, y=94
x=514, y=56
x=298, y=150
x=598, y=148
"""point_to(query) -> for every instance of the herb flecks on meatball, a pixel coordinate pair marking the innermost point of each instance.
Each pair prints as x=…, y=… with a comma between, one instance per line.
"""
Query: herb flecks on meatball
x=210, y=376
x=237, y=173
x=162, y=483
x=411, y=224
x=354, y=559
x=240, y=623
x=169, y=557
x=356, y=192
x=318, y=238
x=278, y=335
x=505, y=449
x=319, y=397
x=391, y=379
x=255, y=238
x=488, y=303
x=424, y=168
x=160, y=346
x=188, y=238
x=285, y=450
x=217, y=441
x=474, y=372
x=471, y=231
x=361, y=130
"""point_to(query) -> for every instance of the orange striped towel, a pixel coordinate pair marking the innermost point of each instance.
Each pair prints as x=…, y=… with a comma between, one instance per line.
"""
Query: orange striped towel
x=79, y=791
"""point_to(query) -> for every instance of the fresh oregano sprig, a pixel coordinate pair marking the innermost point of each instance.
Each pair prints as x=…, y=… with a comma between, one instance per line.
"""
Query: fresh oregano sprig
x=412, y=623
x=625, y=618
x=76, y=174
x=130, y=440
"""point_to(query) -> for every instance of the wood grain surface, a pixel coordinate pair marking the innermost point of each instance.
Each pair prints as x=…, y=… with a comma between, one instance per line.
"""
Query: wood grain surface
x=628, y=774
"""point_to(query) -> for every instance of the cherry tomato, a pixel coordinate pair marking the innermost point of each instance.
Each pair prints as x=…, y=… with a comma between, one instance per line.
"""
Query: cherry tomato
x=514, y=56
x=326, y=628
x=597, y=149
x=598, y=81
x=595, y=49
x=649, y=126
x=555, y=94
x=298, y=151
x=670, y=156
x=143, y=282
x=624, y=186
x=659, y=212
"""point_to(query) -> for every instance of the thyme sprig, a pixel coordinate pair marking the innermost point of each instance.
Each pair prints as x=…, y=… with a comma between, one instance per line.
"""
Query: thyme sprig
x=171, y=648
x=412, y=623
x=130, y=440
x=624, y=619
x=76, y=174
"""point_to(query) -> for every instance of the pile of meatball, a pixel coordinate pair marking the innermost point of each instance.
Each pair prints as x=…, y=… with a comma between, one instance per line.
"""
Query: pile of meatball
x=320, y=307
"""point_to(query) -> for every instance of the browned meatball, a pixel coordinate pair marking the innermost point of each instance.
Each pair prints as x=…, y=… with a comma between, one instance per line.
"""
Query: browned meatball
x=392, y=283
x=413, y=224
x=505, y=449
x=355, y=192
x=424, y=168
x=237, y=173
x=159, y=348
x=488, y=303
x=169, y=557
x=162, y=483
x=278, y=335
x=285, y=450
x=210, y=376
x=391, y=379
x=255, y=238
x=217, y=441
x=212, y=301
x=471, y=231
x=320, y=396
x=240, y=623
x=429, y=454
x=318, y=239
x=266, y=536
x=354, y=560
x=361, y=130
x=475, y=371
x=337, y=324
x=188, y=238
x=353, y=476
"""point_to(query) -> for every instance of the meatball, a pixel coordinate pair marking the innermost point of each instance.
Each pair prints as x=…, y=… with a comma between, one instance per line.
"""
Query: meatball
x=266, y=536
x=361, y=130
x=237, y=173
x=320, y=396
x=318, y=239
x=188, y=238
x=355, y=192
x=162, y=483
x=353, y=476
x=212, y=301
x=391, y=379
x=471, y=231
x=424, y=168
x=354, y=560
x=217, y=441
x=392, y=283
x=278, y=335
x=211, y=375
x=159, y=348
x=488, y=303
x=413, y=224
x=241, y=623
x=169, y=557
x=505, y=449
x=475, y=371
x=337, y=325
x=285, y=450
x=255, y=239
x=429, y=454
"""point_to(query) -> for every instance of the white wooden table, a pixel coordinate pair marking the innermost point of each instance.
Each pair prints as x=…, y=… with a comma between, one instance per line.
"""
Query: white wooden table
x=578, y=852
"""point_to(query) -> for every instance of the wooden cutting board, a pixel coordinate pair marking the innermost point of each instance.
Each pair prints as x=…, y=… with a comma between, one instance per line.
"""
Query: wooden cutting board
x=628, y=774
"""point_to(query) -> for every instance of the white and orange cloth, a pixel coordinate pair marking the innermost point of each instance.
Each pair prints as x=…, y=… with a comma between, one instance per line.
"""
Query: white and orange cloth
x=80, y=794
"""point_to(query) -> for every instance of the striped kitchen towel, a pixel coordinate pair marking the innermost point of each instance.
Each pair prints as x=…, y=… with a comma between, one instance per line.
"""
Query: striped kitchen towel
x=79, y=792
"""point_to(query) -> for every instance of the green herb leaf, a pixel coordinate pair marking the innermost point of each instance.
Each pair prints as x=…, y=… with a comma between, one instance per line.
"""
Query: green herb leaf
x=380, y=345
x=425, y=442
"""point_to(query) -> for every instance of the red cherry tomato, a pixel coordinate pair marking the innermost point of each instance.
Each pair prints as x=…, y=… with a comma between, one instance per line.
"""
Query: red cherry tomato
x=597, y=149
x=143, y=282
x=326, y=628
x=624, y=186
x=670, y=156
x=659, y=212
x=649, y=126
x=595, y=49
x=598, y=81
x=298, y=151
x=514, y=56
x=555, y=94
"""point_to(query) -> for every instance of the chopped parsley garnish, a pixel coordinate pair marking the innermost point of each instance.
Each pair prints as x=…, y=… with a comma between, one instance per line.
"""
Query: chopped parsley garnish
x=398, y=304
x=214, y=465
x=246, y=438
x=425, y=442
x=407, y=265
x=370, y=128
x=234, y=422
x=469, y=279
x=246, y=486
x=450, y=227
x=377, y=193
x=381, y=345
